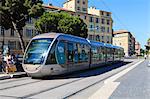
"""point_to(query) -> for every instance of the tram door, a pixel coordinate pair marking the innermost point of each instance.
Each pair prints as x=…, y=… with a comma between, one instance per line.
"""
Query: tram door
x=61, y=54
x=70, y=56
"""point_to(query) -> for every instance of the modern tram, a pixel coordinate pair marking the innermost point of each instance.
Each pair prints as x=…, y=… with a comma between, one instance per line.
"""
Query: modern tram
x=55, y=53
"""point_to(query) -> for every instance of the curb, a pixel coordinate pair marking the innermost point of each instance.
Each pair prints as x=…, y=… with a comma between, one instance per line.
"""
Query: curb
x=5, y=77
x=16, y=75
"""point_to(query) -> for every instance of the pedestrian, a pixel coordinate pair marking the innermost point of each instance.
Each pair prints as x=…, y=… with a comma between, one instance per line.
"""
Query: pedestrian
x=13, y=58
x=9, y=64
x=7, y=61
x=145, y=56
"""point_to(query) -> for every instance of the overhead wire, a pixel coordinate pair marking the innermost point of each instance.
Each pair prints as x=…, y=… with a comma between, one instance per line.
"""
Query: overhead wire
x=121, y=23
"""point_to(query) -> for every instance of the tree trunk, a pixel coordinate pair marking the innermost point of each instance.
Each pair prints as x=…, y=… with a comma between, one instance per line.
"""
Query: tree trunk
x=20, y=37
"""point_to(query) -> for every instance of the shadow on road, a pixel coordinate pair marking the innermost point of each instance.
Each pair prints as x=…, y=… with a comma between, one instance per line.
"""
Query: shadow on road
x=89, y=72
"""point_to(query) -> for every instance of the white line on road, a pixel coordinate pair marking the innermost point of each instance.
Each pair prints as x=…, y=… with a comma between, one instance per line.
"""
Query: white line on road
x=109, y=85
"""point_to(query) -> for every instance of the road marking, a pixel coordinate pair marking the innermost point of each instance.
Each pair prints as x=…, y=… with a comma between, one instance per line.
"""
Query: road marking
x=110, y=86
x=105, y=91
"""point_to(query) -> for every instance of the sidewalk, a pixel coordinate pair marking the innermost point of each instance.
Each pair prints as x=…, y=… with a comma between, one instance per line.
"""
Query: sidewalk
x=12, y=75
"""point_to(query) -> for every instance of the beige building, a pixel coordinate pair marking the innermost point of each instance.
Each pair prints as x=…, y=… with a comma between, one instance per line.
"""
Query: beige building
x=99, y=24
x=76, y=5
x=137, y=48
x=10, y=38
x=124, y=39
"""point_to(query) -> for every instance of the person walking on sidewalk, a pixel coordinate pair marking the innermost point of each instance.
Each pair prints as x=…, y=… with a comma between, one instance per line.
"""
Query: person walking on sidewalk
x=145, y=56
x=10, y=63
x=7, y=59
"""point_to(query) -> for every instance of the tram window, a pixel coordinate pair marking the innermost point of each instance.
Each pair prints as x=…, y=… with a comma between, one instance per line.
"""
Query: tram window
x=105, y=53
x=51, y=57
x=108, y=53
x=100, y=53
x=60, y=54
x=70, y=52
x=76, y=53
x=37, y=51
x=83, y=53
x=79, y=52
x=119, y=53
x=111, y=52
x=115, y=53
x=95, y=54
x=86, y=49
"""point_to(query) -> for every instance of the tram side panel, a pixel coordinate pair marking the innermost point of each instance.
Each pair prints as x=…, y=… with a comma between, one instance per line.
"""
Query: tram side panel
x=97, y=56
x=72, y=56
x=80, y=56
x=109, y=54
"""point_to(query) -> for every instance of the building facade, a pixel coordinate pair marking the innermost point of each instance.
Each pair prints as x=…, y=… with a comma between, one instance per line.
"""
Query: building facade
x=76, y=5
x=99, y=24
x=137, y=48
x=124, y=39
x=10, y=39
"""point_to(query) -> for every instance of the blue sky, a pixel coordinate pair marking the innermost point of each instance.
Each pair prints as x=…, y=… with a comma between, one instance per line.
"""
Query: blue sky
x=132, y=15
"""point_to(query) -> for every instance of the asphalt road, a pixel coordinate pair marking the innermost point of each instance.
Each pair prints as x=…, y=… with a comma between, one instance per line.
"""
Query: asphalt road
x=78, y=85
x=135, y=84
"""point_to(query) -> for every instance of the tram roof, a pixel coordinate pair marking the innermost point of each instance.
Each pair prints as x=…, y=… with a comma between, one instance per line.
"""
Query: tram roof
x=109, y=45
x=94, y=43
x=62, y=36
x=117, y=47
x=75, y=39
x=112, y=46
x=46, y=35
x=72, y=38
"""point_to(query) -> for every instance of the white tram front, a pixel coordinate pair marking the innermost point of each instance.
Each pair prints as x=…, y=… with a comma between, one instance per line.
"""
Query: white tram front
x=53, y=54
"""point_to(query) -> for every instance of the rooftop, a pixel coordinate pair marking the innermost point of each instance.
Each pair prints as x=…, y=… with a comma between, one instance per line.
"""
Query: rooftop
x=63, y=9
x=67, y=1
x=57, y=8
x=94, y=8
x=121, y=32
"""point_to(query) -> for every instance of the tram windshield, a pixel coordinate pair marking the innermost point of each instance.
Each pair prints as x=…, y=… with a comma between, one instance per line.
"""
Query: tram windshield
x=37, y=51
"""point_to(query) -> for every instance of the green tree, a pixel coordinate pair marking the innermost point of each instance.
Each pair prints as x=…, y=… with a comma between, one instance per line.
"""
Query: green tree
x=61, y=23
x=142, y=51
x=148, y=40
x=14, y=14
